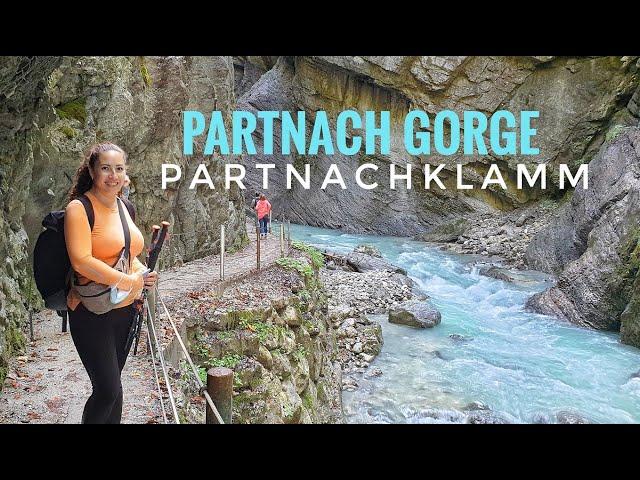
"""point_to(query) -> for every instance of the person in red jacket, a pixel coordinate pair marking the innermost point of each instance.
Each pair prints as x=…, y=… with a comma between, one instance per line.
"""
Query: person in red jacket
x=263, y=208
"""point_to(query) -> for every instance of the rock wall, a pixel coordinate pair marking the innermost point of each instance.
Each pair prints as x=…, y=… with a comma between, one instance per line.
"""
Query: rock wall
x=594, y=245
x=23, y=113
x=579, y=99
x=137, y=102
x=52, y=109
x=280, y=344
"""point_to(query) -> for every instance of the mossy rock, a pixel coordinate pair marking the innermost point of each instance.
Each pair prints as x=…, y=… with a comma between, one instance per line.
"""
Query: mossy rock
x=68, y=131
x=76, y=109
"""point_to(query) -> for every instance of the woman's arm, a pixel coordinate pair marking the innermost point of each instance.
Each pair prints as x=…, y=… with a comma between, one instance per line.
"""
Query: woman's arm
x=78, y=237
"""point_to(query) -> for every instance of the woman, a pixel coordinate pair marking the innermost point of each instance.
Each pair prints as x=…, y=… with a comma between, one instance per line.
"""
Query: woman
x=263, y=208
x=100, y=339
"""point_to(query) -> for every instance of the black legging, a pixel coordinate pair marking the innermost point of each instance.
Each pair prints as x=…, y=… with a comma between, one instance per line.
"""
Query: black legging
x=100, y=342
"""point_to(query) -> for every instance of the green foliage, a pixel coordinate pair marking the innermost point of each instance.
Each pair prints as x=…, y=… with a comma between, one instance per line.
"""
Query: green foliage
x=144, y=73
x=293, y=264
x=76, y=109
x=261, y=329
x=317, y=259
x=308, y=324
x=224, y=335
x=299, y=354
x=202, y=373
x=230, y=360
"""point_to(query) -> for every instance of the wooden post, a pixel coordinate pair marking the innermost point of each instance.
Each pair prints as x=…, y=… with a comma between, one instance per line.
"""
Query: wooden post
x=258, y=246
x=222, y=252
x=288, y=234
x=282, y=239
x=220, y=389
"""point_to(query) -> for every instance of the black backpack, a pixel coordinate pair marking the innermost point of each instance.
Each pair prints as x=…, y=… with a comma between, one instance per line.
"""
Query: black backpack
x=51, y=265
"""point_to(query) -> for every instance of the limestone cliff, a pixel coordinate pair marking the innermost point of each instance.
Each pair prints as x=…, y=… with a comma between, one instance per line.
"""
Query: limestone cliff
x=593, y=244
x=23, y=114
x=578, y=100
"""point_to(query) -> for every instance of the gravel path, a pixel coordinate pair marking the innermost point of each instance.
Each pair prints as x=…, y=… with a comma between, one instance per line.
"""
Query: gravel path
x=49, y=383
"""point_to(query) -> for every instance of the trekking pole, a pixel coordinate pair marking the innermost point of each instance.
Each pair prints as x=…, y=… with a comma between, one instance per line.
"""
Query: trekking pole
x=154, y=252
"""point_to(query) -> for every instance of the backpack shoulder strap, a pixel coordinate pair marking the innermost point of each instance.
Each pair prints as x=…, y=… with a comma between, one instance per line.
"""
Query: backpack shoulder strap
x=125, y=228
x=130, y=208
x=88, y=208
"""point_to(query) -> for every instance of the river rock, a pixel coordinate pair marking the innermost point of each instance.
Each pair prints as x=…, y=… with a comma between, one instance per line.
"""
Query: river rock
x=570, y=418
x=456, y=337
x=506, y=275
x=368, y=250
x=415, y=314
x=484, y=417
x=361, y=262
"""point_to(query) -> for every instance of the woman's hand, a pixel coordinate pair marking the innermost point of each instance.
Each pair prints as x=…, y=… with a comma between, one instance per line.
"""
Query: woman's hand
x=151, y=279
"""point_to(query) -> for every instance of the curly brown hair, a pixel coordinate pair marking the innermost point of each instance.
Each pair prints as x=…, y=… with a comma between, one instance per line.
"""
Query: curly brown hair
x=83, y=181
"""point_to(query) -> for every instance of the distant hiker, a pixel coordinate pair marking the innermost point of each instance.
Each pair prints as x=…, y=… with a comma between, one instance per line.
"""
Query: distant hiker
x=256, y=197
x=103, y=257
x=126, y=187
x=263, y=208
x=254, y=201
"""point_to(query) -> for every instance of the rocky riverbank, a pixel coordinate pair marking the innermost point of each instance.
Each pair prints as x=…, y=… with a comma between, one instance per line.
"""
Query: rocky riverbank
x=501, y=238
x=363, y=284
x=273, y=331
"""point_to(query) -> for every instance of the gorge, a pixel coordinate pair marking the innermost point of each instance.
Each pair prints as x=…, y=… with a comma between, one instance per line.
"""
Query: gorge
x=52, y=108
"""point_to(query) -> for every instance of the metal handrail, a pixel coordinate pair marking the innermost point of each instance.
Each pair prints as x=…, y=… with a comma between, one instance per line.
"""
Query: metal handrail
x=155, y=371
x=202, y=387
x=151, y=326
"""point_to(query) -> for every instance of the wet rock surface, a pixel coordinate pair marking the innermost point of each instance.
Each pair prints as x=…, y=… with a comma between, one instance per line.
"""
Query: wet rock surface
x=420, y=314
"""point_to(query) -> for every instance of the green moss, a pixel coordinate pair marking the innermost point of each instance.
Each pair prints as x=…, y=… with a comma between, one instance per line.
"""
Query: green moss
x=236, y=318
x=630, y=255
x=239, y=243
x=299, y=354
x=613, y=132
x=144, y=73
x=68, y=131
x=76, y=109
x=14, y=344
x=3, y=375
x=307, y=401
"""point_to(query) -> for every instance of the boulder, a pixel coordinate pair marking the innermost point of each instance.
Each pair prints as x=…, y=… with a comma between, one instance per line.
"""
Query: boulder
x=361, y=262
x=368, y=250
x=415, y=314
